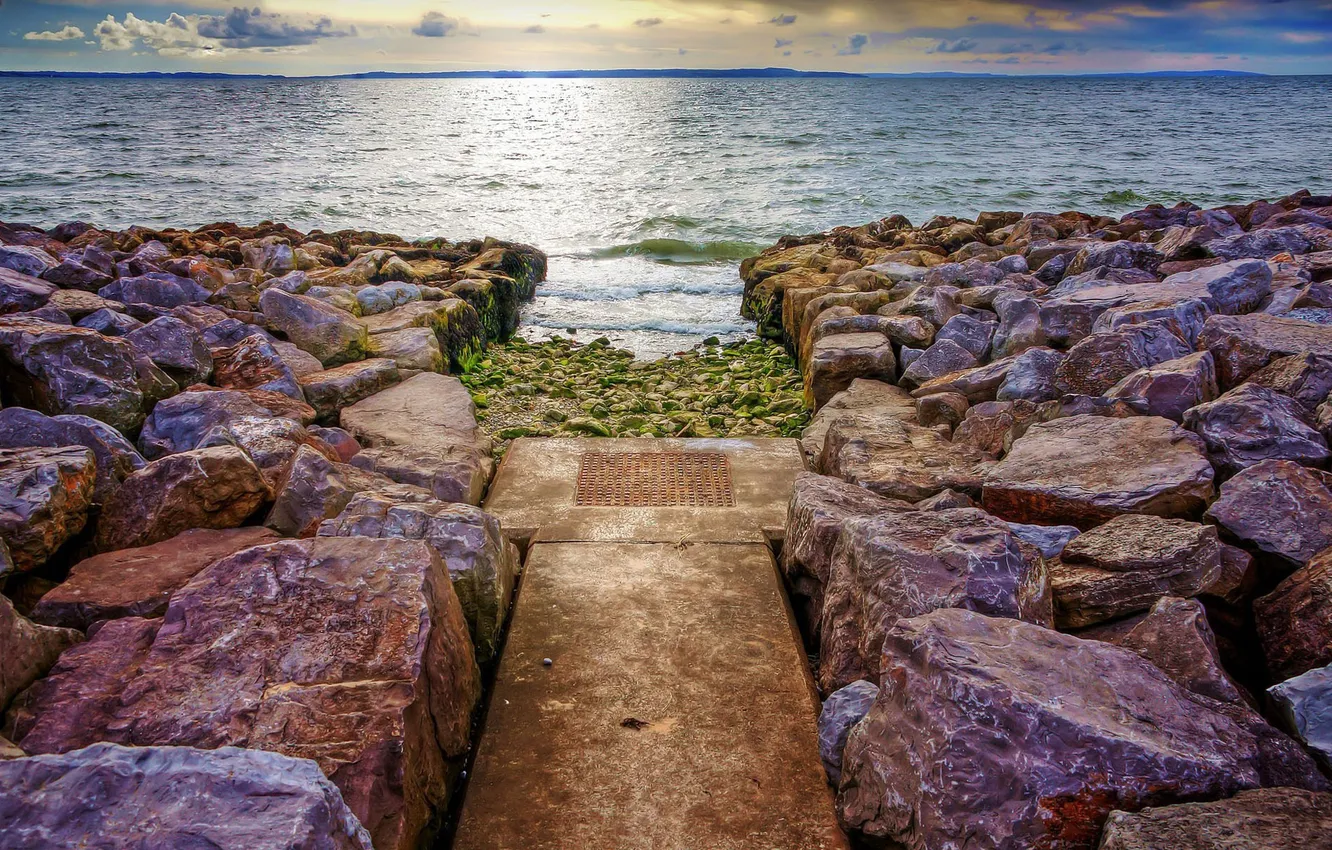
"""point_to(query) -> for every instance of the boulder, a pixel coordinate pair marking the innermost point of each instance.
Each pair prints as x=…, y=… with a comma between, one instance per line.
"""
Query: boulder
x=45, y=494
x=317, y=488
x=1184, y=317
x=481, y=561
x=1049, y=540
x=110, y=322
x=333, y=389
x=1305, y=704
x=181, y=422
x=1101, y=360
x=1083, y=470
x=899, y=565
x=333, y=336
x=424, y=430
x=1244, y=344
x=1176, y=637
x=114, y=456
x=1305, y=377
x=1251, y=424
x=413, y=348
x=1115, y=255
x=843, y=709
x=989, y=426
x=20, y=292
x=820, y=506
x=155, y=289
x=176, y=348
x=1129, y=563
x=270, y=441
x=1269, y=242
x=994, y=727
x=1294, y=621
x=978, y=384
x=255, y=363
x=943, y=357
x=30, y=651
x=1031, y=376
x=971, y=333
x=897, y=460
x=24, y=260
x=945, y=410
x=456, y=324
x=59, y=369
x=1260, y=819
x=865, y=396
x=106, y=796
x=1279, y=508
x=1172, y=387
x=837, y=360
x=217, y=487
x=137, y=582
x=348, y=651
x=1020, y=325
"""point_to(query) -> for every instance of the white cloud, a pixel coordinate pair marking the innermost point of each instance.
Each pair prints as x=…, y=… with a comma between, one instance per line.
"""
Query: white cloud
x=69, y=33
x=201, y=35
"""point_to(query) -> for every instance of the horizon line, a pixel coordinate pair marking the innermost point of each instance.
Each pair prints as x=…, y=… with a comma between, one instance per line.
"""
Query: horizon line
x=770, y=72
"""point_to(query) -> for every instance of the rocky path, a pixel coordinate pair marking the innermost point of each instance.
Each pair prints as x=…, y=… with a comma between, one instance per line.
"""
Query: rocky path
x=653, y=691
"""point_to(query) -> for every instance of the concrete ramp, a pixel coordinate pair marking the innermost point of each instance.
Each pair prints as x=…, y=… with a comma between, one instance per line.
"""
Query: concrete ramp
x=677, y=710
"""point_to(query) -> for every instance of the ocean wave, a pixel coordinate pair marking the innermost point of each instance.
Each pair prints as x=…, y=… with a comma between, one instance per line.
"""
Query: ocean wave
x=682, y=251
x=627, y=292
x=1124, y=196
x=681, y=222
x=661, y=325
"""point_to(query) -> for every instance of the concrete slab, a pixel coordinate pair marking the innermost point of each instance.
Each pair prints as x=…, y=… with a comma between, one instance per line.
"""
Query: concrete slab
x=536, y=484
x=678, y=713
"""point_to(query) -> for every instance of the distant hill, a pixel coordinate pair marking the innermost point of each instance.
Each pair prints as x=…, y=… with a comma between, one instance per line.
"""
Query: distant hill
x=623, y=73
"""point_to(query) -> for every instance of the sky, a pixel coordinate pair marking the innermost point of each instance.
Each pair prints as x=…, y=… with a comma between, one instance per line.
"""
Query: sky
x=313, y=37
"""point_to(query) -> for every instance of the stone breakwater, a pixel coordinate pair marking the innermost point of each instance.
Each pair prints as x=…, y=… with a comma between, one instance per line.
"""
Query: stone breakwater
x=1066, y=552
x=238, y=509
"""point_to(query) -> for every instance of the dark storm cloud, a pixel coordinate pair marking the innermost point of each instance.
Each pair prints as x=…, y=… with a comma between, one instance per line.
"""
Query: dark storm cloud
x=436, y=25
x=648, y=22
x=256, y=28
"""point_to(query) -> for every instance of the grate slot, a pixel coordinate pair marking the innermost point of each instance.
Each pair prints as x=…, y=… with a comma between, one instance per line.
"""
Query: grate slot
x=654, y=480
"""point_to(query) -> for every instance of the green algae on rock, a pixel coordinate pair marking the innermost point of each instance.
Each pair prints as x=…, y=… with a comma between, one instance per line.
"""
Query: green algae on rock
x=563, y=388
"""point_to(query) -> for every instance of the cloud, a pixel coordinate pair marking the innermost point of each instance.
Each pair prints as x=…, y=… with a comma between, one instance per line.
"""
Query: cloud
x=961, y=45
x=782, y=42
x=648, y=22
x=783, y=20
x=69, y=33
x=535, y=29
x=436, y=25
x=203, y=35
x=854, y=44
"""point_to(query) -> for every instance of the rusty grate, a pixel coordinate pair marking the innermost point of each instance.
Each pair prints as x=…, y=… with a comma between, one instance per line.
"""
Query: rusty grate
x=655, y=480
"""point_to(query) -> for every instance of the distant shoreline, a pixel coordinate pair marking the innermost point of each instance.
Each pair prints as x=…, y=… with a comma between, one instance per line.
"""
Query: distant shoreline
x=624, y=73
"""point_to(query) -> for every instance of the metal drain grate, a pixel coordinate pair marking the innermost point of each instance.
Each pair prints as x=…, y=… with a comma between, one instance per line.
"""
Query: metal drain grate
x=655, y=480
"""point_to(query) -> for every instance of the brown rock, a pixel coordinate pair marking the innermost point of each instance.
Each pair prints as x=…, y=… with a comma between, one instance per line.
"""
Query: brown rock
x=871, y=397
x=1279, y=508
x=899, y=461
x=1305, y=377
x=349, y=651
x=1102, y=359
x=899, y=565
x=946, y=409
x=271, y=442
x=317, y=488
x=481, y=561
x=1244, y=344
x=255, y=363
x=993, y=727
x=218, y=487
x=990, y=426
x=1084, y=470
x=1295, y=620
x=137, y=582
x=1261, y=819
x=820, y=506
x=30, y=650
x=331, y=390
x=44, y=500
x=837, y=360
x=1172, y=387
x=1176, y=637
x=1129, y=563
